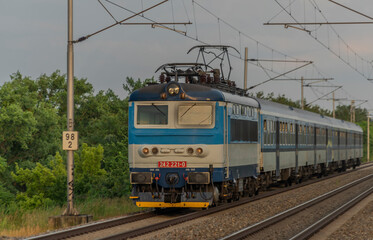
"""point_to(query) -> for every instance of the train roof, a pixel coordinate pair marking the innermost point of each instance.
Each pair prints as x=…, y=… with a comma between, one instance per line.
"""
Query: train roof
x=280, y=110
x=197, y=92
x=193, y=92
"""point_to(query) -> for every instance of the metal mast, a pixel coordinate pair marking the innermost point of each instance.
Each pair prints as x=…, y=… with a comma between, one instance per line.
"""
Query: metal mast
x=70, y=111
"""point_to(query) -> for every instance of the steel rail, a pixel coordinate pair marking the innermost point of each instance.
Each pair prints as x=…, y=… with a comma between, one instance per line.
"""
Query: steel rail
x=317, y=226
x=195, y=215
x=92, y=227
x=245, y=232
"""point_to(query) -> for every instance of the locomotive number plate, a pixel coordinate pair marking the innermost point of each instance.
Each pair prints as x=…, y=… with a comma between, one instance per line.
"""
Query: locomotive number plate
x=172, y=164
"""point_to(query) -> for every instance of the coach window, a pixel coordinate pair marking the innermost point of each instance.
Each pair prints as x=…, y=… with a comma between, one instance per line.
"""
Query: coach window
x=243, y=111
x=303, y=135
x=335, y=138
x=282, y=133
x=286, y=134
x=272, y=129
x=152, y=114
x=265, y=132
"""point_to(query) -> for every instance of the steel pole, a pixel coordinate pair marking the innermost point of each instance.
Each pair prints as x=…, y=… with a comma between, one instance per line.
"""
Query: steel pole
x=245, y=68
x=70, y=111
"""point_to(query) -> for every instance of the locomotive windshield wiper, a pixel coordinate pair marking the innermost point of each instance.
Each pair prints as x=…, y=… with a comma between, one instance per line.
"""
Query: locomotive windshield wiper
x=188, y=110
x=200, y=123
x=159, y=110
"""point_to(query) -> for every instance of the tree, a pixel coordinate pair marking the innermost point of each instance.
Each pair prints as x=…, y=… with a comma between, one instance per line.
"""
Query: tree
x=89, y=176
x=131, y=85
x=16, y=129
x=38, y=183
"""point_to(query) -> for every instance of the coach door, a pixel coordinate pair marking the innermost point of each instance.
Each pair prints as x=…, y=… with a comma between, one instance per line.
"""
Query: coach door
x=328, y=145
x=296, y=147
x=277, y=148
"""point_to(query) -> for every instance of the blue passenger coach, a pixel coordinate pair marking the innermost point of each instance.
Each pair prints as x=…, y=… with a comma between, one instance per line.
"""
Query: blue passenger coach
x=204, y=142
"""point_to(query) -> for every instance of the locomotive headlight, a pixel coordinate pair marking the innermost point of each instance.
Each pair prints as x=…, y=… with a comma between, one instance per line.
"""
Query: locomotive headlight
x=154, y=150
x=199, y=151
x=173, y=89
x=190, y=151
x=145, y=151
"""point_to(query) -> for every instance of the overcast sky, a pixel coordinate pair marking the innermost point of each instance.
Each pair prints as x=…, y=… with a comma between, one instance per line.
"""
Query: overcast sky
x=33, y=40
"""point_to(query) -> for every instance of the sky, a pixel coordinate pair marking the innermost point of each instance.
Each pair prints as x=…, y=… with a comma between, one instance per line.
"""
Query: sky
x=33, y=41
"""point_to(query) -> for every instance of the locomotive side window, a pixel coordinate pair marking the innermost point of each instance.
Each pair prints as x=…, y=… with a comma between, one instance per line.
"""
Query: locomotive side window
x=195, y=114
x=244, y=130
x=152, y=114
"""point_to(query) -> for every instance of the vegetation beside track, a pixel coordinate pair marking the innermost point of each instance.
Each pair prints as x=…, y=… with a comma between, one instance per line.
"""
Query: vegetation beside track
x=22, y=223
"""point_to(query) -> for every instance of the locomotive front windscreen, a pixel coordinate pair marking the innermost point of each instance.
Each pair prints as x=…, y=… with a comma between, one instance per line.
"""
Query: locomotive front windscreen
x=152, y=115
x=194, y=114
x=175, y=115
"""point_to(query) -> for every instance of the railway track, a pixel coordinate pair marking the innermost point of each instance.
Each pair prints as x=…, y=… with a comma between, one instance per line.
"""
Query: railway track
x=89, y=228
x=254, y=230
x=80, y=230
x=317, y=226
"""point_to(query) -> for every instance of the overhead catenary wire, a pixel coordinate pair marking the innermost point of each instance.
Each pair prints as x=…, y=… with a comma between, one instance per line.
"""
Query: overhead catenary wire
x=117, y=23
x=314, y=35
x=203, y=42
x=240, y=34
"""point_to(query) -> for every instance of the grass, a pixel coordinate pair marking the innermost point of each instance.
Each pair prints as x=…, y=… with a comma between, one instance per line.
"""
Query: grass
x=27, y=223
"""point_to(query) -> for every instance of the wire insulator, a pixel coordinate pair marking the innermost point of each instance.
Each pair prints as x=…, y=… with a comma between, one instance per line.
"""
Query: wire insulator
x=202, y=79
x=209, y=79
x=161, y=78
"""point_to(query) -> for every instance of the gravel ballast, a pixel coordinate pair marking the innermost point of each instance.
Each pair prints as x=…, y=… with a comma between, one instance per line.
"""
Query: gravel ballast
x=221, y=224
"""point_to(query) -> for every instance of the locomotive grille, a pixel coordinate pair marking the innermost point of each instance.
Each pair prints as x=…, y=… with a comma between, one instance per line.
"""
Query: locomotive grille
x=141, y=178
x=199, y=178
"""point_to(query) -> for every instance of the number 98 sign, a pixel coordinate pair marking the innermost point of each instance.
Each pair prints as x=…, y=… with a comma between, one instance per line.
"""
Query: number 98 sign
x=70, y=140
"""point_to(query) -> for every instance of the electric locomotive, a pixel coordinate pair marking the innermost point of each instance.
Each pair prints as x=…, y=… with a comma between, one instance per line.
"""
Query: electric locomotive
x=204, y=141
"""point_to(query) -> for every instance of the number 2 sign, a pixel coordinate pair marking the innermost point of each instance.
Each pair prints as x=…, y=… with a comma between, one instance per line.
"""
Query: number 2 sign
x=70, y=140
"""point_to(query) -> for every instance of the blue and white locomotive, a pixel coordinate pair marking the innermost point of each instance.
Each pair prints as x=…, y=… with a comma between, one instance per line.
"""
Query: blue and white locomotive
x=203, y=142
